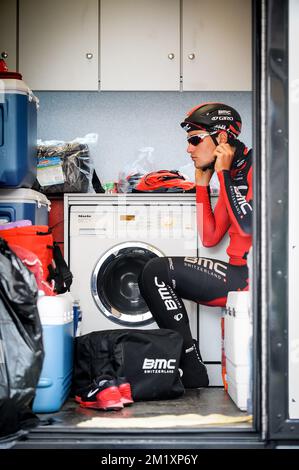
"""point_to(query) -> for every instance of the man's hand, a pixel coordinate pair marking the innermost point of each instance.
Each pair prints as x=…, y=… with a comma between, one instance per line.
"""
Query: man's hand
x=225, y=155
x=202, y=178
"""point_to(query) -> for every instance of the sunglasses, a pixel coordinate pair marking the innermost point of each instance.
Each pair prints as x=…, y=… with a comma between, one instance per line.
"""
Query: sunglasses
x=196, y=139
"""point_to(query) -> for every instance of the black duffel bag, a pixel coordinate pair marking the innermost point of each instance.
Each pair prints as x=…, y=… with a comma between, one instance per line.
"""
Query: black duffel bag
x=149, y=359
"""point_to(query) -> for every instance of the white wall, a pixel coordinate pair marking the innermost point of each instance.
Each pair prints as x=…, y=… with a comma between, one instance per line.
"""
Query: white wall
x=126, y=121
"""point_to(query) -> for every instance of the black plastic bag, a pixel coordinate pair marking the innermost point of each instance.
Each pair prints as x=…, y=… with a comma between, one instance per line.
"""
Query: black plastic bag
x=21, y=345
x=73, y=167
x=15, y=421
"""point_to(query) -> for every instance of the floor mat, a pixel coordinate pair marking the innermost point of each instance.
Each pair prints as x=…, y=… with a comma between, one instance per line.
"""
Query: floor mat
x=165, y=421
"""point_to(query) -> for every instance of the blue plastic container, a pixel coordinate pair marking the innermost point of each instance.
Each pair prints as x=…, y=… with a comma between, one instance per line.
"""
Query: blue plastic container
x=58, y=329
x=20, y=204
x=18, y=134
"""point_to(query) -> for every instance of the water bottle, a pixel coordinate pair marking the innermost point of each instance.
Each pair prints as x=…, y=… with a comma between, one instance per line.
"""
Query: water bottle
x=78, y=331
x=77, y=318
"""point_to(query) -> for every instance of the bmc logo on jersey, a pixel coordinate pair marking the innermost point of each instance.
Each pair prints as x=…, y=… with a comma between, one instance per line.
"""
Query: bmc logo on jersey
x=242, y=201
x=209, y=264
x=158, y=366
x=165, y=295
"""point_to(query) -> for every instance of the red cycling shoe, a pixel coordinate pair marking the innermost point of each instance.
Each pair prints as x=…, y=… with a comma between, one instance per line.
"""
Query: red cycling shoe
x=102, y=394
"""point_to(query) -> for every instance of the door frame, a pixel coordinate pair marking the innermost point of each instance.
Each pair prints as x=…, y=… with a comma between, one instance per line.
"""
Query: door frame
x=276, y=68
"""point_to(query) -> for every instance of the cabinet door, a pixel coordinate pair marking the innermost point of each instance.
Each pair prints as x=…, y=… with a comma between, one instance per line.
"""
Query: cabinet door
x=58, y=44
x=140, y=45
x=216, y=53
x=8, y=31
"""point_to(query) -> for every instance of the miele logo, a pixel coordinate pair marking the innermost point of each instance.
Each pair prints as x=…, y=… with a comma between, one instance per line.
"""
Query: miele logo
x=158, y=366
x=84, y=216
x=165, y=295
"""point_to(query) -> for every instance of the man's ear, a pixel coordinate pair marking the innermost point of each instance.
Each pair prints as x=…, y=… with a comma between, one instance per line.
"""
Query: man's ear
x=223, y=137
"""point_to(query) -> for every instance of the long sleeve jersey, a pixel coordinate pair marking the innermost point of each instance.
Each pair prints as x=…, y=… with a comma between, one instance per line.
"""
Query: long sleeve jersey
x=233, y=210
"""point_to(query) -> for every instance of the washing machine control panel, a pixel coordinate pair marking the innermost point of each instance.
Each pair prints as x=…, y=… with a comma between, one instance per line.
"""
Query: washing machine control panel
x=138, y=222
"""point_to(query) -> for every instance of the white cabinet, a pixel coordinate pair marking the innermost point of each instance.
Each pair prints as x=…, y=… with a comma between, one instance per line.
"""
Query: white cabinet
x=8, y=32
x=154, y=45
x=140, y=45
x=216, y=52
x=149, y=45
x=58, y=44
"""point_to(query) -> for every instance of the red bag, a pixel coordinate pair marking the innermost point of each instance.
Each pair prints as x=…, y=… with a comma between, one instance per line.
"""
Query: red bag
x=35, y=238
x=39, y=240
x=34, y=265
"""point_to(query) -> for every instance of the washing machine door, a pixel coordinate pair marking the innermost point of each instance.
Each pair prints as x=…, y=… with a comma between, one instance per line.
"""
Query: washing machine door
x=114, y=283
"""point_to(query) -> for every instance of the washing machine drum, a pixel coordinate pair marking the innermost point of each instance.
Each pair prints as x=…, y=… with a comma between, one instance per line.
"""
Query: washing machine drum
x=115, y=284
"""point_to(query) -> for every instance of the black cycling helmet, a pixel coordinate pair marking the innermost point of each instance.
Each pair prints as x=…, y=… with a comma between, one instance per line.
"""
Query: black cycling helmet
x=213, y=117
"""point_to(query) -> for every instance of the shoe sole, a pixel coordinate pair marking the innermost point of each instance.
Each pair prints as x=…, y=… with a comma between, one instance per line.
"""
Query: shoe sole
x=86, y=404
x=98, y=405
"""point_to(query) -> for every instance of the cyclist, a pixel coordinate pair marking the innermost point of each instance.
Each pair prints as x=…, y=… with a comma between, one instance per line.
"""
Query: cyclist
x=212, y=135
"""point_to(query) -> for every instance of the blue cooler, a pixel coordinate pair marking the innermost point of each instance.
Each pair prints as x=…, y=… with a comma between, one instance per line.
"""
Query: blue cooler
x=18, y=133
x=56, y=314
x=19, y=204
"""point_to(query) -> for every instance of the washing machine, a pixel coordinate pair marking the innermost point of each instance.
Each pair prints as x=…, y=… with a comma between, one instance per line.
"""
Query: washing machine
x=108, y=240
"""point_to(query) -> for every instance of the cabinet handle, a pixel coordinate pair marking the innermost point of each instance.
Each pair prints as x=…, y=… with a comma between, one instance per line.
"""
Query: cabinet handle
x=171, y=56
x=89, y=55
x=191, y=56
x=4, y=55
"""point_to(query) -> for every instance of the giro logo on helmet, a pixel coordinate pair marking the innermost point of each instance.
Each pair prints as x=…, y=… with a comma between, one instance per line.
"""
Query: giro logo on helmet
x=222, y=118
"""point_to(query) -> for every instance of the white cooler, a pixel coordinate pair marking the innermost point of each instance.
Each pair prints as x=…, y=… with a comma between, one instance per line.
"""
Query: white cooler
x=237, y=334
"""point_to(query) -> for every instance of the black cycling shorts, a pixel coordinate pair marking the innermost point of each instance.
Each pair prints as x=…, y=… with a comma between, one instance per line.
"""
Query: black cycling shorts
x=165, y=281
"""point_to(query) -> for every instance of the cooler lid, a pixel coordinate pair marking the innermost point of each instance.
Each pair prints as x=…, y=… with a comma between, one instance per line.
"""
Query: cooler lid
x=15, y=75
x=55, y=310
x=24, y=195
x=14, y=85
x=238, y=303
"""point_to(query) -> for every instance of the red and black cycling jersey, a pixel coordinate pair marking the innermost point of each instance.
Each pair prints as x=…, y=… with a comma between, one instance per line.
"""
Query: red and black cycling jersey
x=233, y=210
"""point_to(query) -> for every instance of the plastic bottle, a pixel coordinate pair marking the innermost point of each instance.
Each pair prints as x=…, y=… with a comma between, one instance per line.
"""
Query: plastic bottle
x=109, y=187
x=223, y=356
x=78, y=331
x=77, y=318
